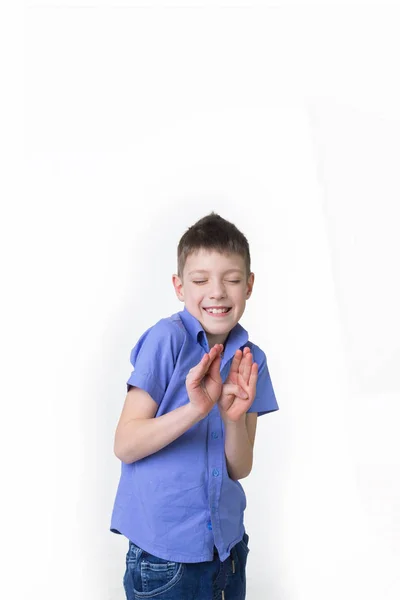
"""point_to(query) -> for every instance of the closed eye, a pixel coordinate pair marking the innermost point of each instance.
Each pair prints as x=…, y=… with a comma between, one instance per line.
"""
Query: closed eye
x=204, y=281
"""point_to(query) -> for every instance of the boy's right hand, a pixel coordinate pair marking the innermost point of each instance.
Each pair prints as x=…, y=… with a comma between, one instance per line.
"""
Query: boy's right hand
x=204, y=382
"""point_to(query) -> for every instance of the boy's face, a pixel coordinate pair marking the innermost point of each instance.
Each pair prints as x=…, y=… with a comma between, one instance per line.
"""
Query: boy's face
x=211, y=279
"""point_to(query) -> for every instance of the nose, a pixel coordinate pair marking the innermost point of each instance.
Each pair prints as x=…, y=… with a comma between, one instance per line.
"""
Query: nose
x=217, y=290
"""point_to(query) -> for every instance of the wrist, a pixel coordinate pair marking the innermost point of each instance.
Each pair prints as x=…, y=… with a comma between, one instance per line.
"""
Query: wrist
x=237, y=423
x=195, y=414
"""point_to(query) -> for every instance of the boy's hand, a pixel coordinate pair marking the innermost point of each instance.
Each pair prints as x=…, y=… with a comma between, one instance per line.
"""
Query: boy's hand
x=204, y=383
x=239, y=389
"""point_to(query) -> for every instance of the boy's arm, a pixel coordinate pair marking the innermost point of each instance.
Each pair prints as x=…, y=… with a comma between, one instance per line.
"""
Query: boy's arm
x=239, y=443
x=138, y=434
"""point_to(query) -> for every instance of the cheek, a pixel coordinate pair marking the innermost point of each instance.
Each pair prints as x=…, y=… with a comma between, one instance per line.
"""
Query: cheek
x=240, y=297
x=196, y=295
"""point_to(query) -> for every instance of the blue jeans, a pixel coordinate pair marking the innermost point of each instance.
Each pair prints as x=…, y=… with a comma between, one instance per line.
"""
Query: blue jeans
x=148, y=576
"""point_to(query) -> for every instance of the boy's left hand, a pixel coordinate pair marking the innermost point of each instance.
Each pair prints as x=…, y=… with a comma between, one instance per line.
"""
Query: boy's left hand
x=241, y=381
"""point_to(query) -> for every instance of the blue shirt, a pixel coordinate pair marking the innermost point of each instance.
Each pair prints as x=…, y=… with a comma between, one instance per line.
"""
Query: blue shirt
x=180, y=501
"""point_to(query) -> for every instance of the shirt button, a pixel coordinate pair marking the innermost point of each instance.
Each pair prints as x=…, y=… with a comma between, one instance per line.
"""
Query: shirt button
x=209, y=525
x=215, y=472
x=214, y=435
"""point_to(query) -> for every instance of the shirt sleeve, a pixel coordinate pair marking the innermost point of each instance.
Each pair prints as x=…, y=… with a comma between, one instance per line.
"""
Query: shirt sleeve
x=265, y=400
x=154, y=357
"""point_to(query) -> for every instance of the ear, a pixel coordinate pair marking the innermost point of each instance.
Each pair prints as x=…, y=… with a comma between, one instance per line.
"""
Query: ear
x=178, y=286
x=249, y=285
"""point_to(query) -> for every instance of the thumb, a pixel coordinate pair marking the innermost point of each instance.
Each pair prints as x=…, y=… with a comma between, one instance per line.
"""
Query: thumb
x=236, y=390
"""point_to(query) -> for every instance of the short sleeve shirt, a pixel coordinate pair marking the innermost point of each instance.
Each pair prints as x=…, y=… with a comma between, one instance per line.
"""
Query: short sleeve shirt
x=180, y=502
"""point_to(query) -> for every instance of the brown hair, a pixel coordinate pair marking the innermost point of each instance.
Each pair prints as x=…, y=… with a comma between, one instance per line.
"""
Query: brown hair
x=213, y=233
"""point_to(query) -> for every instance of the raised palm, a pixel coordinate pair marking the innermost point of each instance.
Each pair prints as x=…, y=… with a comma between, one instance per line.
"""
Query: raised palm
x=204, y=383
x=241, y=382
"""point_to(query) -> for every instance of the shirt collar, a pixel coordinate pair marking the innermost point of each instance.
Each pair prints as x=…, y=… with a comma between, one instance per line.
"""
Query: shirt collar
x=237, y=337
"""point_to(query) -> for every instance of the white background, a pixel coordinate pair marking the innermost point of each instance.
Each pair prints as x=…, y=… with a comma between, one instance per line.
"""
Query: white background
x=124, y=125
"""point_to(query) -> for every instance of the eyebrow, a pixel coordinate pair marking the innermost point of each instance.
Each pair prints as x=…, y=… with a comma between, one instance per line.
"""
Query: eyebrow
x=205, y=271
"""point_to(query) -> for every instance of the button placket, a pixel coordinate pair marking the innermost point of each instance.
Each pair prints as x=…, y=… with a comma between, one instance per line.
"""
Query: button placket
x=215, y=443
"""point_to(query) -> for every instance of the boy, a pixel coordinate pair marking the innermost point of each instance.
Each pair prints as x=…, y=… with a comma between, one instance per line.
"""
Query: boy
x=179, y=501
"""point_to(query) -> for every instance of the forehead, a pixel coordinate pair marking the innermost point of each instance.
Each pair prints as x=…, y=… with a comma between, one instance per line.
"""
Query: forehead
x=213, y=262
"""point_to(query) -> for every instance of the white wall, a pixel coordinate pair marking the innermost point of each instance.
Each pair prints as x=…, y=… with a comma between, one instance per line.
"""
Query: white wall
x=137, y=122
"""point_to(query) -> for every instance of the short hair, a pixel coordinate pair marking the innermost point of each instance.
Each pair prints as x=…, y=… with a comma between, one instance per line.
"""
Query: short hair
x=212, y=232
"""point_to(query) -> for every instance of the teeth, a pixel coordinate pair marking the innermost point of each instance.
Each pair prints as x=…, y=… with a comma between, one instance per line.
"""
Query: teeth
x=217, y=311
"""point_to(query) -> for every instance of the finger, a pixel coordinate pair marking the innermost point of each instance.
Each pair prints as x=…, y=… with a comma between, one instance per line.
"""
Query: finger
x=215, y=357
x=197, y=372
x=245, y=366
x=216, y=350
x=236, y=362
x=214, y=369
x=236, y=390
x=253, y=380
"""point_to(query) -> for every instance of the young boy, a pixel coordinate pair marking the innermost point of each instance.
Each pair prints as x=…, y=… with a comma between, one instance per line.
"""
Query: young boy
x=186, y=433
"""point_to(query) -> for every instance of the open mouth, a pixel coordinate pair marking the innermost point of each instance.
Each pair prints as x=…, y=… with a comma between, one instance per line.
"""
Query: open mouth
x=217, y=312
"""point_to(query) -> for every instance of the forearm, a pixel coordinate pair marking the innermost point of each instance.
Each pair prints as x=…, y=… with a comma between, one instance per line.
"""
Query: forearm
x=238, y=449
x=141, y=437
